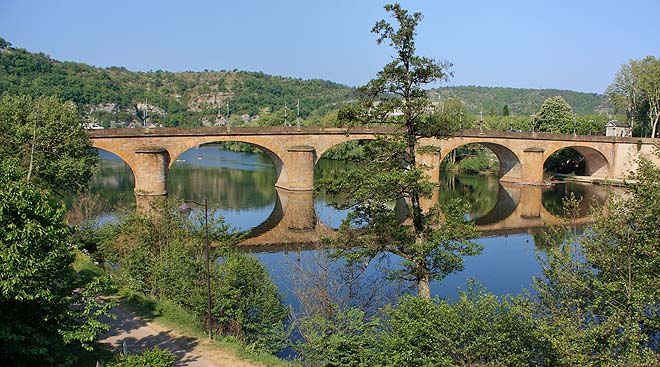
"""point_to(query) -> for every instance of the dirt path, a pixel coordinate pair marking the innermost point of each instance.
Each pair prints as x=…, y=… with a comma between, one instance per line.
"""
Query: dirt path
x=139, y=335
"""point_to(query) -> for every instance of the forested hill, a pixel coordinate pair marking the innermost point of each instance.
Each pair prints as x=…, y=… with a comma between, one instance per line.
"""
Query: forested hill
x=172, y=99
x=116, y=96
x=520, y=101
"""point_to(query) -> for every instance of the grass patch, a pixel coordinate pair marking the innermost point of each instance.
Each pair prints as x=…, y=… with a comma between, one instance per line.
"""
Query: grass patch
x=85, y=267
x=183, y=322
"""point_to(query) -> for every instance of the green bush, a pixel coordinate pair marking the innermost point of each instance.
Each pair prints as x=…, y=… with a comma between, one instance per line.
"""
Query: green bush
x=341, y=339
x=479, y=329
x=155, y=357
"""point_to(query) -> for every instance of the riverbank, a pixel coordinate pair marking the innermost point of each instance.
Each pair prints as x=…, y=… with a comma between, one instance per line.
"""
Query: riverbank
x=558, y=177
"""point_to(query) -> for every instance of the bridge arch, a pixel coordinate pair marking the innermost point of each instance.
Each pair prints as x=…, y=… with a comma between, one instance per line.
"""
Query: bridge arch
x=274, y=157
x=510, y=164
x=596, y=164
x=115, y=175
x=288, y=160
x=141, y=160
x=105, y=154
x=126, y=155
x=322, y=148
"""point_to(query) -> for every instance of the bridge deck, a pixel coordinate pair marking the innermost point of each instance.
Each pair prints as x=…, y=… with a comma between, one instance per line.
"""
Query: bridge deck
x=323, y=130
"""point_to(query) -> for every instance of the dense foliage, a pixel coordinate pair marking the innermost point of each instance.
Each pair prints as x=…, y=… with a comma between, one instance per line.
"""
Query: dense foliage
x=555, y=116
x=247, y=304
x=38, y=285
x=47, y=140
x=478, y=329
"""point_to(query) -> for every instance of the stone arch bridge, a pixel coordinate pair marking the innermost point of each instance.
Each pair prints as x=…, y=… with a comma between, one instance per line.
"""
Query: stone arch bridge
x=294, y=152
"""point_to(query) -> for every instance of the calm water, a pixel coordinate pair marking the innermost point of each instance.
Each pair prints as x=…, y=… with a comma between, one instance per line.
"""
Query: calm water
x=241, y=186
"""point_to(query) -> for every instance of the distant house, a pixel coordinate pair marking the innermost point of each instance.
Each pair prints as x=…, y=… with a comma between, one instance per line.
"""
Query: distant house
x=616, y=128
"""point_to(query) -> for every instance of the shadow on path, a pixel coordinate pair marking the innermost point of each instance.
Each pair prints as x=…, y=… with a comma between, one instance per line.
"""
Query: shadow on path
x=136, y=335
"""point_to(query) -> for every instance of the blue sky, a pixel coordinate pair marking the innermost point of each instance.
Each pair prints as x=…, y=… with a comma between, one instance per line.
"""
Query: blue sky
x=562, y=44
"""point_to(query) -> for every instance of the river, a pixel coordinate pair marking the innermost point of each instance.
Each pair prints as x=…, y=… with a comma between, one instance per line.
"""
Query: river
x=283, y=225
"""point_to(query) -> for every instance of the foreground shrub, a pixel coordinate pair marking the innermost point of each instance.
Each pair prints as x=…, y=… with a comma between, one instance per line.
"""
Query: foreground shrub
x=155, y=357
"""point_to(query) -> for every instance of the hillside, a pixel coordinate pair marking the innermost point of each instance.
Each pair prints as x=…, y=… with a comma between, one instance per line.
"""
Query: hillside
x=118, y=97
x=172, y=99
x=520, y=101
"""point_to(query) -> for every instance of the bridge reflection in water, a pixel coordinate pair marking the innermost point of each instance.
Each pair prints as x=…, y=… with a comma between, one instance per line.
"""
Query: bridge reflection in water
x=519, y=209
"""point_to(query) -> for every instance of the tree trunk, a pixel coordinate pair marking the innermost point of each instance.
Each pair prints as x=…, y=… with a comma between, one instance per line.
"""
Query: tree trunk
x=423, y=285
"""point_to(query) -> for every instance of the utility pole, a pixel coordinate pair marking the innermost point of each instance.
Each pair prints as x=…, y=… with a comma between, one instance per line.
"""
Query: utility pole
x=460, y=120
x=298, y=118
x=227, y=117
x=285, y=113
x=185, y=210
x=574, y=123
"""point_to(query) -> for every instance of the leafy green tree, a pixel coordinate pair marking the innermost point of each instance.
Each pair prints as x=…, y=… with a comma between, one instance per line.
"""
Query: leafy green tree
x=429, y=245
x=45, y=303
x=453, y=112
x=636, y=88
x=160, y=253
x=46, y=137
x=648, y=75
x=505, y=110
x=247, y=303
x=624, y=92
x=624, y=251
x=555, y=116
x=478, y=330
x=565, y=295
x=345, y=338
